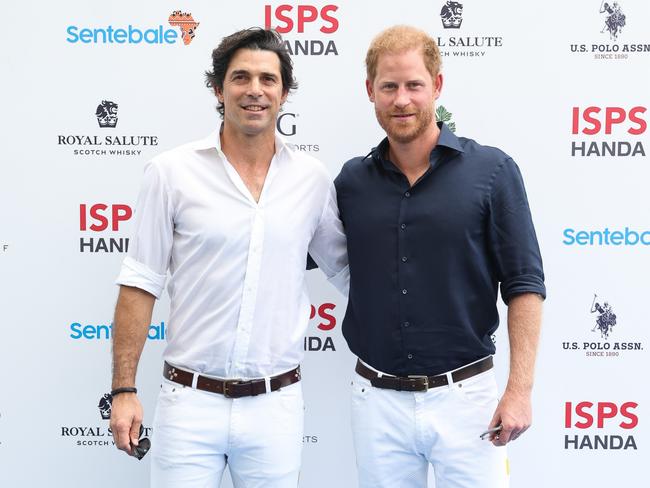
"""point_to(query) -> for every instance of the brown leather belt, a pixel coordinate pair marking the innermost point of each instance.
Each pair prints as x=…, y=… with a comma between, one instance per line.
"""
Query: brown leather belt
x=422, y=383
x=234, y=388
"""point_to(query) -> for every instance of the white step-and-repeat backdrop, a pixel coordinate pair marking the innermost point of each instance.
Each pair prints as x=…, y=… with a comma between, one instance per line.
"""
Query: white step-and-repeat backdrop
x=91, y=90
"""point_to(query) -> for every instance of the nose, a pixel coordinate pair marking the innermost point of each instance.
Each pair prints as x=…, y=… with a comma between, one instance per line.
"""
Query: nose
x=255, y=88
x=402, y=98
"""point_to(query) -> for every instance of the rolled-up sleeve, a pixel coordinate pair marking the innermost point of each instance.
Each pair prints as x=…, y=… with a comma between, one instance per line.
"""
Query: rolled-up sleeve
x=328, y=246
x=146, y=264
x=511, y=235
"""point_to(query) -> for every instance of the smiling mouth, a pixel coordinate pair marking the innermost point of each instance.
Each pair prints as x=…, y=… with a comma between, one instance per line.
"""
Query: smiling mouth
x=254, y=108
x=402, y=116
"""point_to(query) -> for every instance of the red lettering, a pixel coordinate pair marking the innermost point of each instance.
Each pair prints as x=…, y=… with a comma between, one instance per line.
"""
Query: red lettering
x=613, y=115
x=643, y=125
x=330, y=319
x=591, y=120
x=568, y=409
x=82, y=216
x=306, y=13
x=280, y=16
x=98, y=218
x=312, y=312
x=575, y=126
x=581, y=412
x=625, y=412
x=120, y=214
x=94, y=213
x=334, y=23
x=606, y=410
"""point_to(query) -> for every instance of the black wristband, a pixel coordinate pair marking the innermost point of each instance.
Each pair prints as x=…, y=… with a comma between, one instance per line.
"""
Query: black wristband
x=124, y=389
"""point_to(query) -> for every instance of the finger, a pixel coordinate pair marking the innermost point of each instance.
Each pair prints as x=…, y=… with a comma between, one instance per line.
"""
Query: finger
x=121, y=436
x=502, y=437
x=134, y=434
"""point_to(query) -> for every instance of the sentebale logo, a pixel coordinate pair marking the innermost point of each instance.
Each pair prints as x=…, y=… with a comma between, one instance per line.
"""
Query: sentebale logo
x=136, y=35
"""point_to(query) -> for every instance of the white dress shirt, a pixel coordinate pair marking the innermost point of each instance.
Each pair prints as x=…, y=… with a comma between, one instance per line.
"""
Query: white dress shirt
x=239, y=303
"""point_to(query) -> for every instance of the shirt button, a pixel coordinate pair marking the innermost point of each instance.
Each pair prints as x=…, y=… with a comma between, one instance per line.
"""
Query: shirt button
x=410, y=356
x=404, y=291
x=406, y=324
x=403, y=226
x=404, y=259
x=407, y=194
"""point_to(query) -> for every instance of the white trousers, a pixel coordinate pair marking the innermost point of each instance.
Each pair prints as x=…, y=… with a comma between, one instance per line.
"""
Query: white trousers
x=196, y=434
x=398, y=434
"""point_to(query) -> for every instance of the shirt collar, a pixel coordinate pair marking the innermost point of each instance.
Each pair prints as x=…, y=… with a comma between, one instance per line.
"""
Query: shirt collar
x=446, y=138
x=213, y=141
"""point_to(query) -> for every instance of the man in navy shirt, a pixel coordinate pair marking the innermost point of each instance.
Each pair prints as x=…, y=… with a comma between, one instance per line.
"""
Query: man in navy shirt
x=435, y=224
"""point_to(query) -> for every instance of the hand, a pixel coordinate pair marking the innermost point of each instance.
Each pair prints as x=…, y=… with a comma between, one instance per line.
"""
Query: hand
x=514, y=413
x=126, y=419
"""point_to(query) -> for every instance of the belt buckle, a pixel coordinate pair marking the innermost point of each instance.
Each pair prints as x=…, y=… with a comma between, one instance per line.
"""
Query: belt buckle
x=422, y=377
x=227, y=384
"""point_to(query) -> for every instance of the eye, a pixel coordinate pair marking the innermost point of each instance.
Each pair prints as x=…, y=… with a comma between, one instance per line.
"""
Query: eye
x=388, y=86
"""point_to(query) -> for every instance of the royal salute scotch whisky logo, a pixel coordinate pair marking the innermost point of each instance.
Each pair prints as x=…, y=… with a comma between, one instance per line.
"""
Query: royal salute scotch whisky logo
x=106, y=114
x=187, y=24
x=468, y=44
x=105, y=405
x=97, y=435
x=451, y=15
x=600, y=328
x=610, y=26
x=99, y=144
x=442, y=115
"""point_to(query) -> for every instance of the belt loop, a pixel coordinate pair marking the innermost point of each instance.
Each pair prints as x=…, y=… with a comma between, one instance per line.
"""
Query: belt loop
x=195, y=379
x=267, y=384
x=450, y=379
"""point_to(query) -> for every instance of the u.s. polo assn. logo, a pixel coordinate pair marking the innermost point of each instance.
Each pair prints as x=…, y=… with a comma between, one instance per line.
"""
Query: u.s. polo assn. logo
x=606, y=318
x=614, y=20
x=598, y=327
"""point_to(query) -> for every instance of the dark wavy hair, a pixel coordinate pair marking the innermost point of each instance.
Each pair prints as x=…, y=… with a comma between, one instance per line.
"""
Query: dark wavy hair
x=253, y=38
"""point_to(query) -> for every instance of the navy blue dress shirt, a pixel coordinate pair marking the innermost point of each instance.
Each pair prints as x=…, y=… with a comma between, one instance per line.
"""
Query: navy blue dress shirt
x=426, y=260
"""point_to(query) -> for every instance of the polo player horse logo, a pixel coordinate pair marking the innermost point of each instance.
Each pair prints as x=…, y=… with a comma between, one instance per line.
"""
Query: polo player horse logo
x=615, y=20
x=606, y=318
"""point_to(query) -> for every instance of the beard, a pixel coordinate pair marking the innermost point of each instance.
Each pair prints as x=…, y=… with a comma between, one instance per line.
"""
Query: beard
x=405, y=132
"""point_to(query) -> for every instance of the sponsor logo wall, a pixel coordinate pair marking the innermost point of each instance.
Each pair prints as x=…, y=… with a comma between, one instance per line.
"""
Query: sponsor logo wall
x=97, y=92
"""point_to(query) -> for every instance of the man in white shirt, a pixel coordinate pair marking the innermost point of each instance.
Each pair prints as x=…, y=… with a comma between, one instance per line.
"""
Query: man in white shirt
x=232, y=218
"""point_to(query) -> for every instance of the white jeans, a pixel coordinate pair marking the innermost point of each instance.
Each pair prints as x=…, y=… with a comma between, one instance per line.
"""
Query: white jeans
x=398, y=434
x=196, y=434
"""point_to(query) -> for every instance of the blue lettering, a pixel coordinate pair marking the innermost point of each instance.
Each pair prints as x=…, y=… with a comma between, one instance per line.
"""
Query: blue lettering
x=120, y=36
x=569, y=239
x=134, y=31
x=643, y=238
x=629, y=233
x=616, y=238
x=582, y=238
x=86, y=36
x=130, y=35
x=170, y=36
x=157, y=332
x=76, y=333
x=72, y=33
